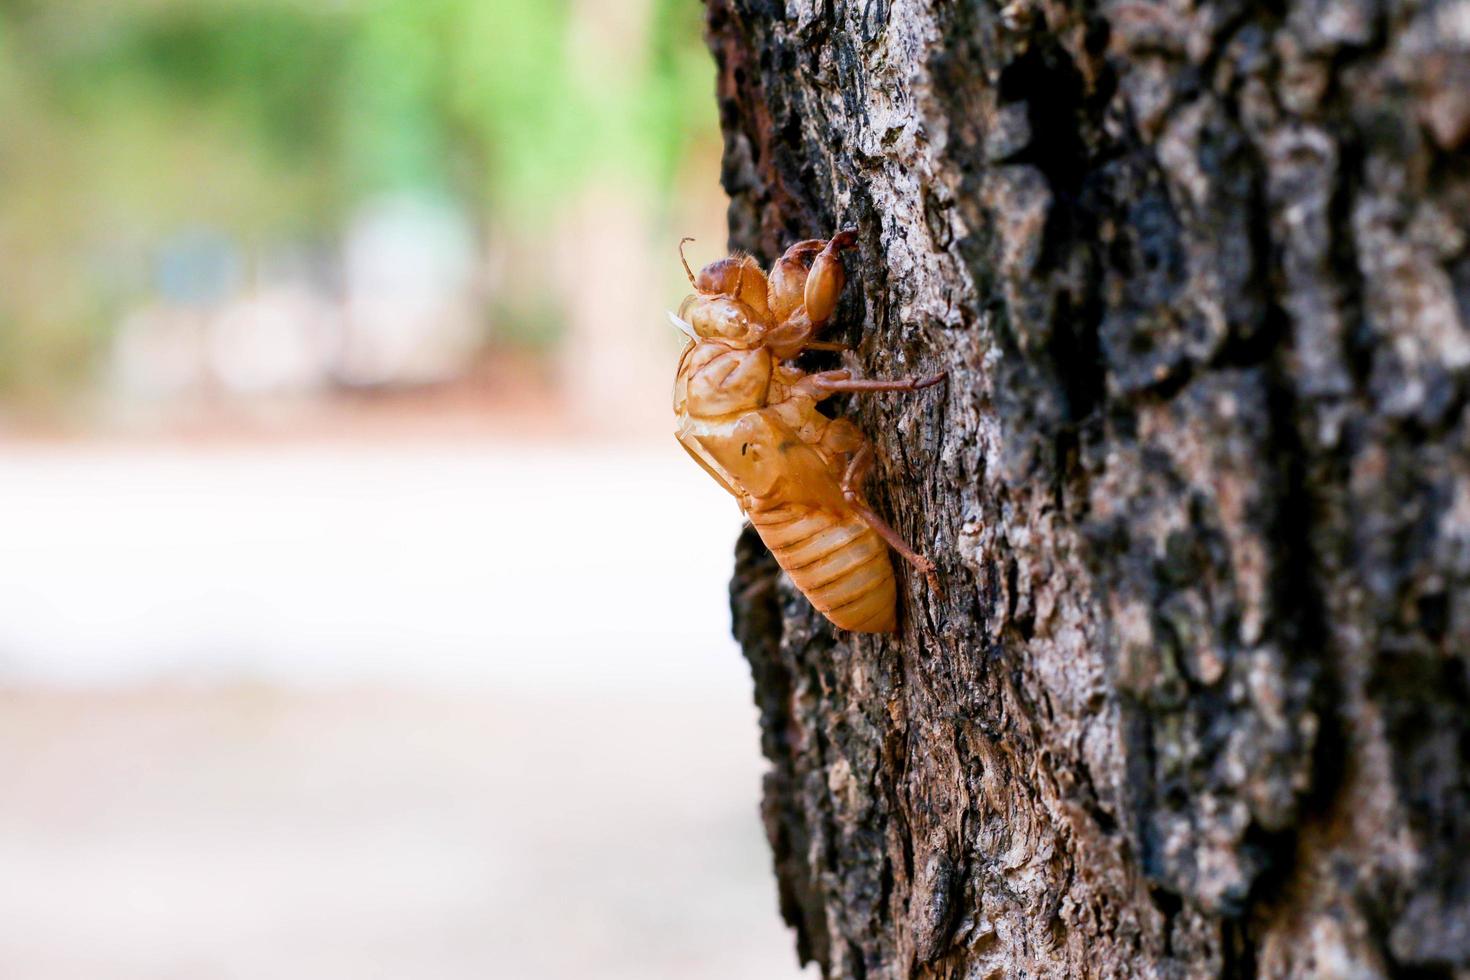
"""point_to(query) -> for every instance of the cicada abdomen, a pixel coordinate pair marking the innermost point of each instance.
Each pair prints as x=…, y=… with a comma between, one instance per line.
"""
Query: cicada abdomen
x=838, y=562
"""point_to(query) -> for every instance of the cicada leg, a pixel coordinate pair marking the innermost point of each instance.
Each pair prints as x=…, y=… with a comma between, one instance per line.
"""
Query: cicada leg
x=833, y=382
x=859, y=464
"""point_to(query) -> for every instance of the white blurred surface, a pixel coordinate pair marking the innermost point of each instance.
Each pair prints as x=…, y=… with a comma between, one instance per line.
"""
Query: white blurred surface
x=515, y=566
x=348, y=712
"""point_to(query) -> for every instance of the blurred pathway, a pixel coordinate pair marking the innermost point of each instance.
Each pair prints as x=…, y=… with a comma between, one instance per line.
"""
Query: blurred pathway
x=358, y=713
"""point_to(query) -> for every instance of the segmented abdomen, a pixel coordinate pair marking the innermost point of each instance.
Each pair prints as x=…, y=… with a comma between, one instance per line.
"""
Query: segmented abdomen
x=836, y=560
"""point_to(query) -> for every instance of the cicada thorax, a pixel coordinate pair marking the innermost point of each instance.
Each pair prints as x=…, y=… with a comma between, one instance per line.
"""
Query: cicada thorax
x=718, y=383
x=722, y=379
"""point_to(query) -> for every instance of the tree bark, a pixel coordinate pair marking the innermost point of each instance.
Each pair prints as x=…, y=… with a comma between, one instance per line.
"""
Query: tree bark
x=1195, y=700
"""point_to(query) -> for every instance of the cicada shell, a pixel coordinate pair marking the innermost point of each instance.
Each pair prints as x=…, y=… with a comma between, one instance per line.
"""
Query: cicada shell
x=749, y=418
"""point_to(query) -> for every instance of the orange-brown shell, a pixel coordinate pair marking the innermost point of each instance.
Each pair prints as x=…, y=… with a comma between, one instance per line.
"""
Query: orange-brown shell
x=836, y=560
x=745, y=419
x=738, y=277
x=758, y=450
x=824, y=285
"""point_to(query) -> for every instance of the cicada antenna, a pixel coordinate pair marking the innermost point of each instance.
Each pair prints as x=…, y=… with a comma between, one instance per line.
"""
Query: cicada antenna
x=687, y=271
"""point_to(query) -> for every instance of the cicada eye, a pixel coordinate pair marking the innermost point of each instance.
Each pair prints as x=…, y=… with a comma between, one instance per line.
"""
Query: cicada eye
x=686, y=306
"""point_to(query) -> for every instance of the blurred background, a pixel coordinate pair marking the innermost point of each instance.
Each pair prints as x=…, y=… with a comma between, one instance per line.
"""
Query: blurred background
x=359, y=616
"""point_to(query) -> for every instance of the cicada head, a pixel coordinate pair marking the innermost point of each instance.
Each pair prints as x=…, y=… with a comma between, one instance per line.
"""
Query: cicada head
x=737, y=277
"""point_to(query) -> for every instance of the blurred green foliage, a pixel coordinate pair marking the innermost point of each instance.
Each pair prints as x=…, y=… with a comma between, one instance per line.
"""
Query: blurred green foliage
x=122, y=121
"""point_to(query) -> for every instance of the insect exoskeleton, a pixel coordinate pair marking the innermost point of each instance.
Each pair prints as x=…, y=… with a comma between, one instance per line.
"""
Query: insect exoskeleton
x=751, y=422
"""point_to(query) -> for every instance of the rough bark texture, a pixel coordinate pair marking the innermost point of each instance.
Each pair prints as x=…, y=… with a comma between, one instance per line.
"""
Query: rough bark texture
x=1195, y=700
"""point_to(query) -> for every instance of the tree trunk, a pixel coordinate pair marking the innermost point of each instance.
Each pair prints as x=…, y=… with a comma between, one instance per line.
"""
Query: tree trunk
x=1194, y=701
